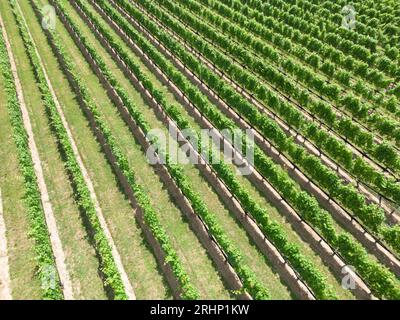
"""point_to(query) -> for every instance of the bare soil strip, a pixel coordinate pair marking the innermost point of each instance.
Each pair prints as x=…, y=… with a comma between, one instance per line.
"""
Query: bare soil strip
x=5, y=283
x=118, y=261
x=47, y=207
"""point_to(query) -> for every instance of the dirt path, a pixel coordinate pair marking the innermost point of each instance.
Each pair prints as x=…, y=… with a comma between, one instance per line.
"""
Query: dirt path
x=47, y=207
x=117, y=258
x=5, y=283
x=118, y=261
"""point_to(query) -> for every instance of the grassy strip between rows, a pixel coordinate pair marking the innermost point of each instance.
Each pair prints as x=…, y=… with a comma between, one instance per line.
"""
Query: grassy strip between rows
x=250, y=282
x=82, y=195
x=270, y=228
x=371, y=215
x=381, y=281
x=150, y=216
x=38, y=229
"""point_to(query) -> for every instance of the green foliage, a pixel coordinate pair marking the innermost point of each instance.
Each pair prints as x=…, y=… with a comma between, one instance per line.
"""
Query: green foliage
x=301, y=201
x=150, y=215
x=81, y=191
x=38, y=228
x=267, y=126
